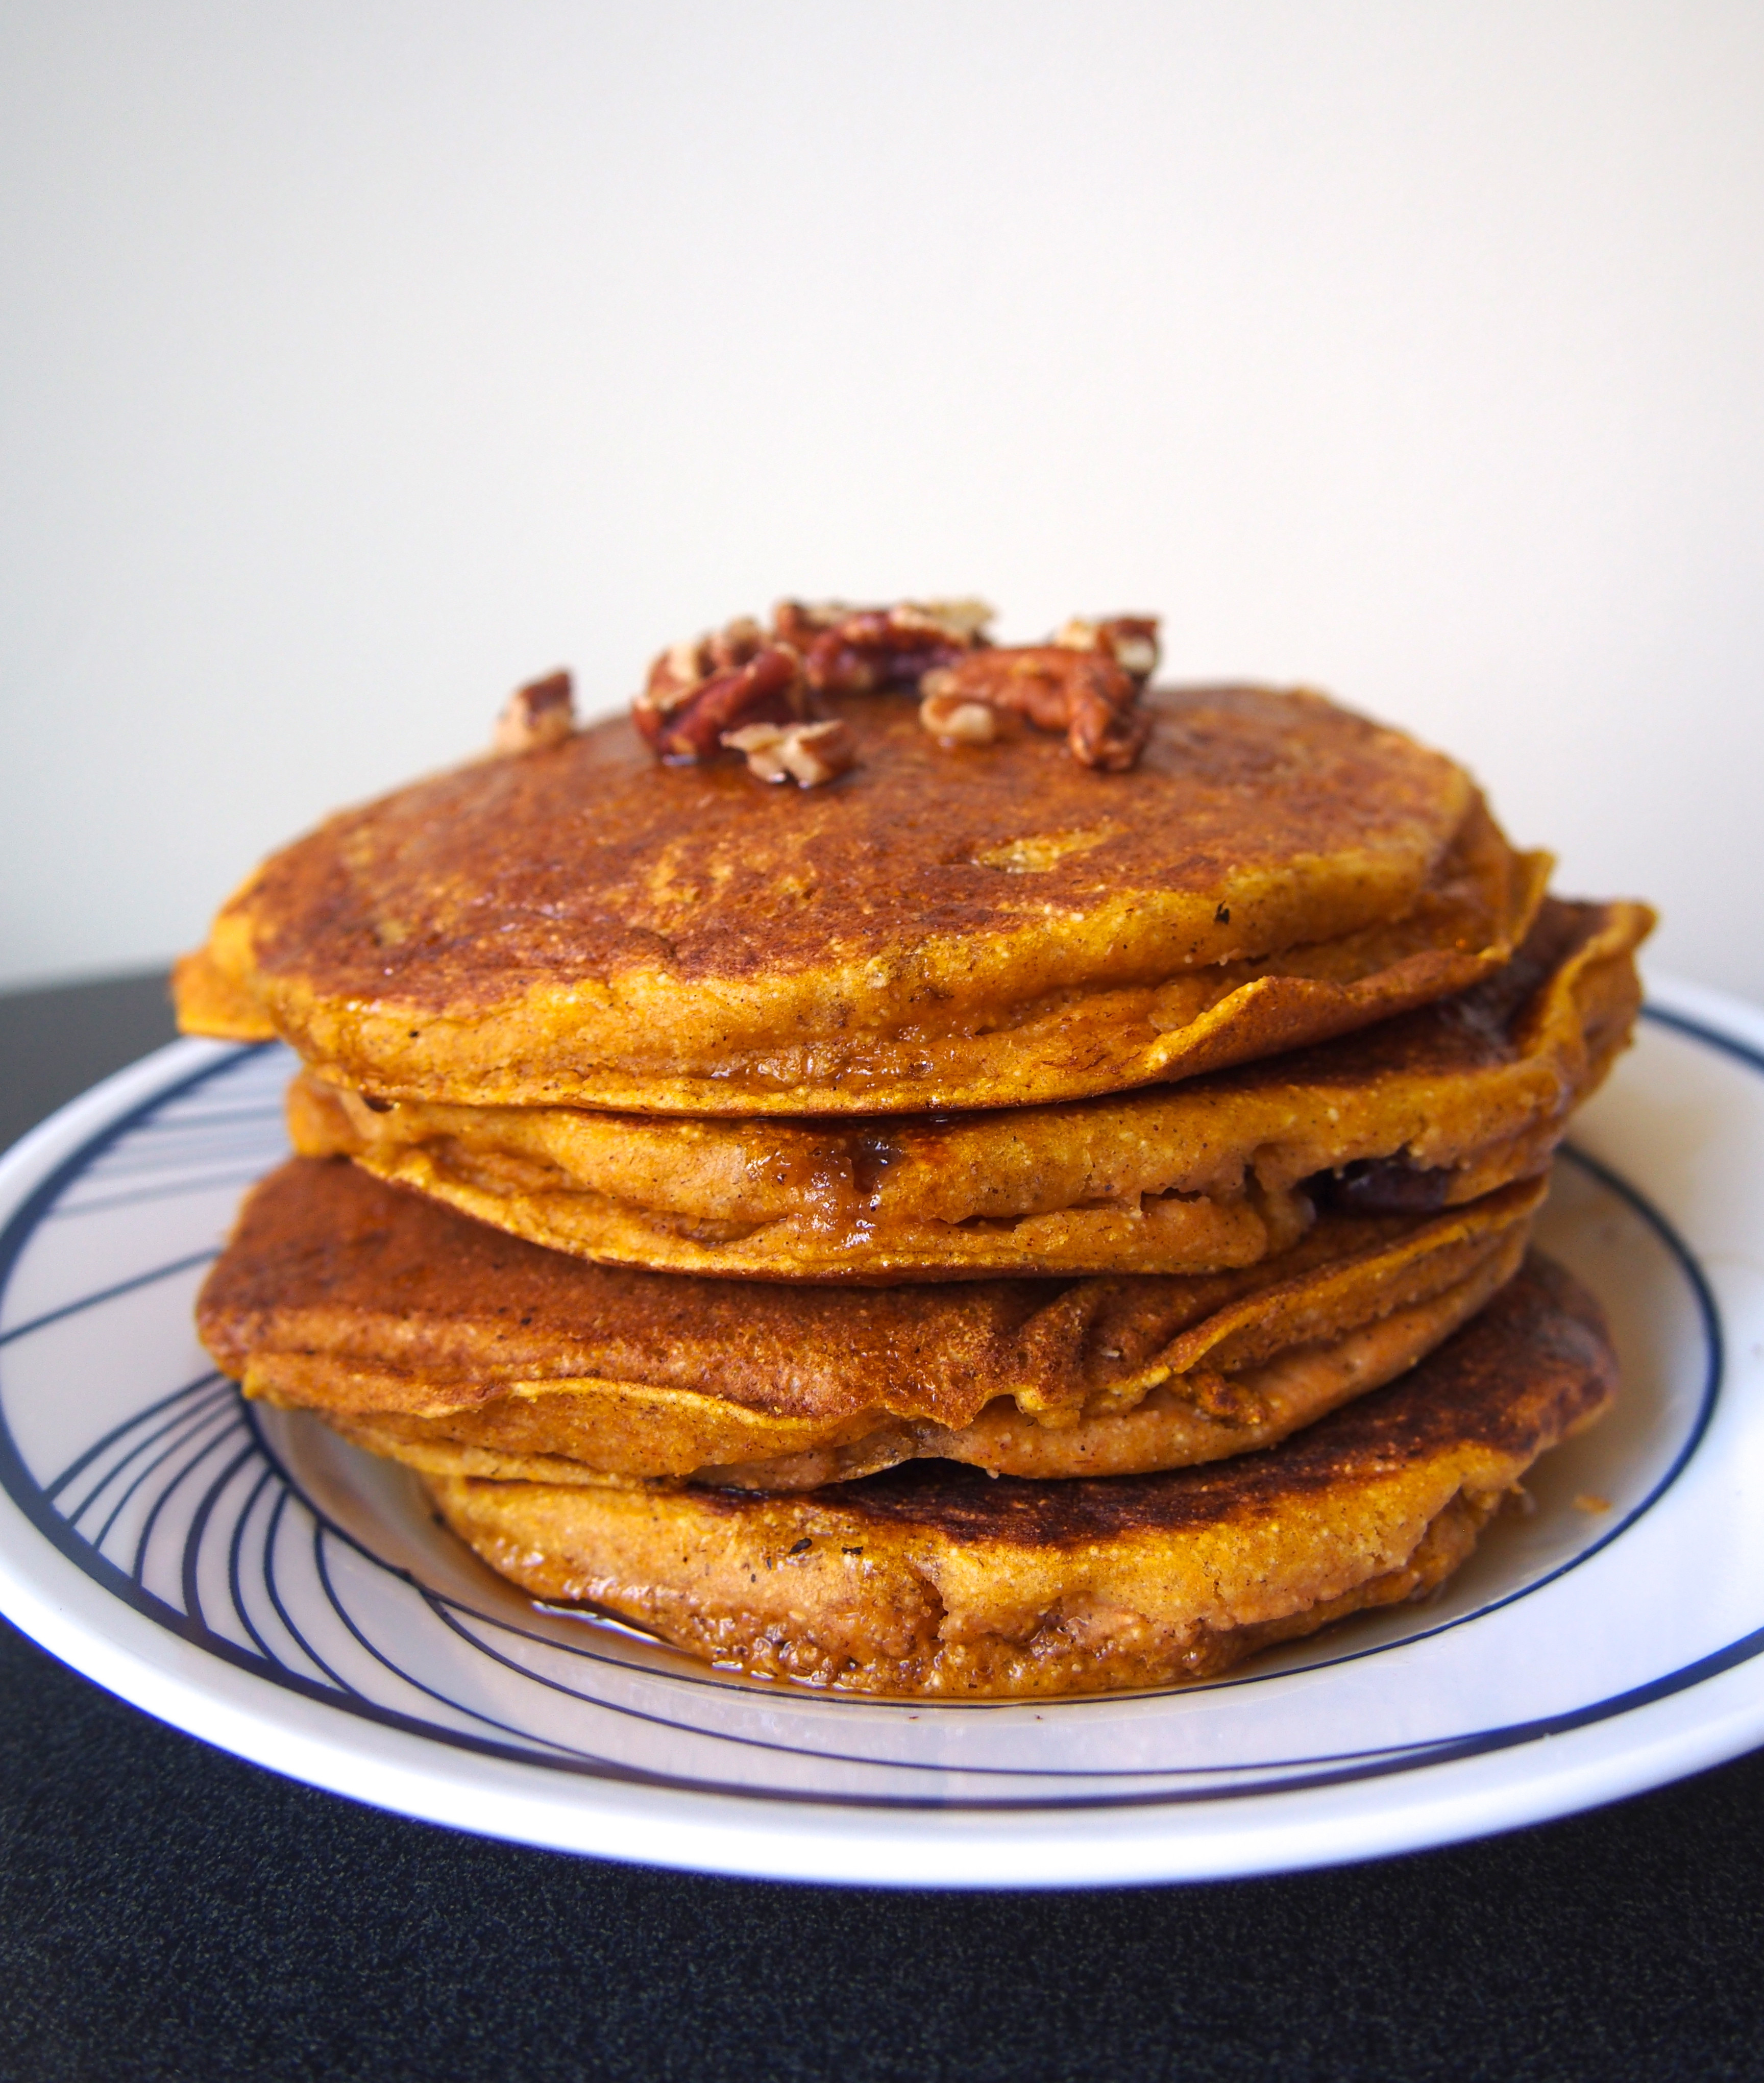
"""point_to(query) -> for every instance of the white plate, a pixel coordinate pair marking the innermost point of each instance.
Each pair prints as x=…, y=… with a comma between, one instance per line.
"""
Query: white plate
x=244, y=1574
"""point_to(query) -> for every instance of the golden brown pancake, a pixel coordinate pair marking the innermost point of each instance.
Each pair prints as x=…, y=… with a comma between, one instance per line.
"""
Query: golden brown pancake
x=934, y=1580
x=1432, y=1108
x=431, y=1338
x=982, y=927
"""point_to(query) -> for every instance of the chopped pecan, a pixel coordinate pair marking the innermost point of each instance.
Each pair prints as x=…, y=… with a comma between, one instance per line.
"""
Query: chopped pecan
x=806, y=753
x=683, y=668
x=1131, y=640
x=1101, y=735
x=683, y=720
x=859, y=650
x=1085, y=694
x=541, y=713
x=953, y=720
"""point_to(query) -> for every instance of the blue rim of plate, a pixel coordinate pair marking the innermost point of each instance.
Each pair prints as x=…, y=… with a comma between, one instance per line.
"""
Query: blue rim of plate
x=209, y=1395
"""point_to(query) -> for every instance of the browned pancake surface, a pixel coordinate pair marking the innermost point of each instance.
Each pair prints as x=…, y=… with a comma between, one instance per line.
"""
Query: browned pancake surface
x=937, y=1582
x=1533, y=1367
x=981, y=927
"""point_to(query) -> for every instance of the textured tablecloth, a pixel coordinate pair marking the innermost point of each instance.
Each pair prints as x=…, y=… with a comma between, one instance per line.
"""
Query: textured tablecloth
x=168, y=1911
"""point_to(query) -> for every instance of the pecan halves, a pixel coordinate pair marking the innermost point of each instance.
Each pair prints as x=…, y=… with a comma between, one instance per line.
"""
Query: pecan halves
x=808, y=753
x=696, y=692
x=864, y=650
x=541, y=713
x=1084, y=692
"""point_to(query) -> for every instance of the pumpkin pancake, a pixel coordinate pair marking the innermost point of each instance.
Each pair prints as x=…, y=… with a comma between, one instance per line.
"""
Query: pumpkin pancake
x=982, y=927
x=450, y=1345
x=933, y=1580
x=1434, y=1108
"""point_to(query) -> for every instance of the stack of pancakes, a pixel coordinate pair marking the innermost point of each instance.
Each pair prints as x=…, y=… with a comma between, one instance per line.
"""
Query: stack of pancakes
x=988, y=1225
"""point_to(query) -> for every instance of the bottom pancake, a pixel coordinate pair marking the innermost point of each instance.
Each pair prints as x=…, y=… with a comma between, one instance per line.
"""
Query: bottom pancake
x=934, y=1579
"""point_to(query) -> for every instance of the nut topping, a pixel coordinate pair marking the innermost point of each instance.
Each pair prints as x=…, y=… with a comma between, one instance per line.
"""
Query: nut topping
x=953, y=720
x=740, y=679
x=541, y=713
x=683, y=668
x=861, y=650
x=717, y=689
x=808, y=753
x=1131, y=640
x=1084, y=692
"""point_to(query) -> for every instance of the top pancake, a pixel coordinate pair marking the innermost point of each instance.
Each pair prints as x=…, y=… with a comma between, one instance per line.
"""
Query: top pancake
x=978, y=928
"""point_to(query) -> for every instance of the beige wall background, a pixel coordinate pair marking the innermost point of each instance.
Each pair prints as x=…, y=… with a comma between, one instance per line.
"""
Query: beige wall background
x=358, y=360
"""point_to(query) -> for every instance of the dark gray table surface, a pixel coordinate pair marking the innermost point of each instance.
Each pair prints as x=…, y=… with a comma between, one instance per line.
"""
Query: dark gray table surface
x=167, y=1911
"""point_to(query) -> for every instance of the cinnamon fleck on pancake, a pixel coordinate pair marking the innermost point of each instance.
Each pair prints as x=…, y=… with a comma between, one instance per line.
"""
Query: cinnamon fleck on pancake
x=982, y=927
x=933, y=1580
x=1430, y=1109
x=431, y=1338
